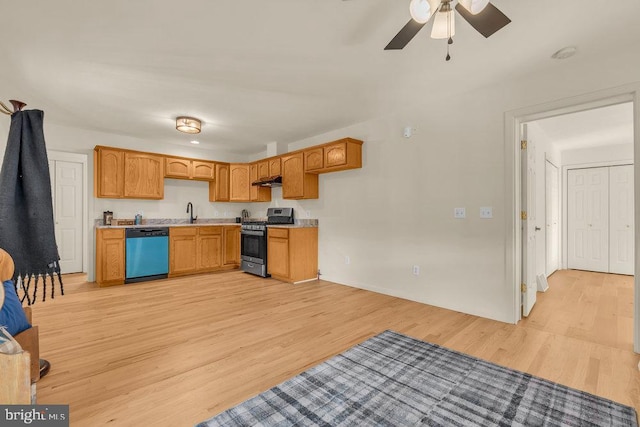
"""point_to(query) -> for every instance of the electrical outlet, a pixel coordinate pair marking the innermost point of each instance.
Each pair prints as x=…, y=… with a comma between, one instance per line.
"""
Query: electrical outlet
x=308, y=213
x=416, y=270
x=347, y=260
x=459, y=213
x=486, y=212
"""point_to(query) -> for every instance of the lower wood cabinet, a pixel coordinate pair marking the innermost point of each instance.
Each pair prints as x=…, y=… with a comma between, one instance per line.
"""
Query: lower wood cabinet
x=203, y=249
x=110, y=256
x=292, y=253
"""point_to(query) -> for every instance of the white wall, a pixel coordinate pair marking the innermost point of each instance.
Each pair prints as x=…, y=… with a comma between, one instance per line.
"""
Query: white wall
x=598, y=155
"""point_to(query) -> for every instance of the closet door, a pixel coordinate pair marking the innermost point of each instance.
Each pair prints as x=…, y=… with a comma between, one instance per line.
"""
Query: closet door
x=588, y=219
x=621, y=224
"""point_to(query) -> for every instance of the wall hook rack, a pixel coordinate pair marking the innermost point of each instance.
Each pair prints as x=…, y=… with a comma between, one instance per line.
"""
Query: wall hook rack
x=17, y=106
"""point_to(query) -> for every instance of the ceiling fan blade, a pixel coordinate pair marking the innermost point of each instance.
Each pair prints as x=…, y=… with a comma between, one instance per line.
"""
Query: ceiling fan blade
x=487, y=22
x=405, y=35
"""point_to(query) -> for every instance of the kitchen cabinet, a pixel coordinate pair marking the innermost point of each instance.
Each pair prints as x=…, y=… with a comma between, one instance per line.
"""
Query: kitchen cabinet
x=239, y=185
x=177, y=168
x=296, y=184
x=334, y=156
x=257, y=193
x=231, y=245
x=180, y=168
x=219, y=189
x=182, y=250
x=292, y=253
x=143, y=176
x=110, y=256
x=209, y=248
x=274, y=167
x=263, y=169
x=313, y=159
x=109, y=172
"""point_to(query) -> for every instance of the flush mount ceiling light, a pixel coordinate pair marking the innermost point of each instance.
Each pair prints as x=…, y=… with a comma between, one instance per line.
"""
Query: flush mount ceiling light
x=480, y=14
x=195, y=142
x=188, y=124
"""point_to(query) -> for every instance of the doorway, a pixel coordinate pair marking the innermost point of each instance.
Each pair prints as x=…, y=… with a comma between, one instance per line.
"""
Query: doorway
x=68, y=173
x=513, y=121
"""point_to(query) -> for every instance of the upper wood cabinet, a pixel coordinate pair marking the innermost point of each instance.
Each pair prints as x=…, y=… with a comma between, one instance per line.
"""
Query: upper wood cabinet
x=275, y=166
x=143, y=176
x=239, y=184
x=263, y=169
x=205, y=171
x=296, y=184
x=334, y=156
x=219, y=190
x=110, y=258
x=109, y=172
x=177, y=168
x=180, y=168
x=257, y=193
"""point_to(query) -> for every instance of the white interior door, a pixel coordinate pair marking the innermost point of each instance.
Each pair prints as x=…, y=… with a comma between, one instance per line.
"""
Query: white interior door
x=67, y=183
x=588, y=219
x=621, y=223
x=552, y=220
x=528, y=159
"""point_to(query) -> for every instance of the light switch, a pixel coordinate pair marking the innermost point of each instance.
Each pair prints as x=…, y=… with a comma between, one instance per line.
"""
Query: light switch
x=459, y=213
x=486, y=212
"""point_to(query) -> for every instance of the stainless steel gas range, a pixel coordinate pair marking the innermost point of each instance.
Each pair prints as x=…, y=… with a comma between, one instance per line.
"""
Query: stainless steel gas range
x=254, y=240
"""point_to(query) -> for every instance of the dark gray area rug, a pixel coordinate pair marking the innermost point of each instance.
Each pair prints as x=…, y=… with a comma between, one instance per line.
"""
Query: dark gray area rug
x=395, y=380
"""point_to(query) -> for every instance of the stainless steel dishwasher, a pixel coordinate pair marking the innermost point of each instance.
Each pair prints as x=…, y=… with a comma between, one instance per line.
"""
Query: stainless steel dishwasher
x=147, y=254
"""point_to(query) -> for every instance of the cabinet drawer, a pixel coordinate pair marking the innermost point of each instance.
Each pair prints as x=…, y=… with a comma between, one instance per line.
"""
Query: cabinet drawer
x=282, y=233
x=117, y=233
x=183, y=231
x=209, y=230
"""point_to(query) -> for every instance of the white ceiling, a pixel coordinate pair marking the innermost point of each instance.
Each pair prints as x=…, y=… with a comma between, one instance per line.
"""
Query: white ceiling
x=591, y=128
x=259, y=71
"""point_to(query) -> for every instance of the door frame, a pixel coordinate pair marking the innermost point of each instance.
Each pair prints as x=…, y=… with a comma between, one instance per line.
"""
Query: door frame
x=54, y=155
x=548, y=162
x=512, y=121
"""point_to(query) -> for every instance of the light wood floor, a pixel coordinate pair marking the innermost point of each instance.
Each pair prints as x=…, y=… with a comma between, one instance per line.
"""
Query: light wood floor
x=178, y=351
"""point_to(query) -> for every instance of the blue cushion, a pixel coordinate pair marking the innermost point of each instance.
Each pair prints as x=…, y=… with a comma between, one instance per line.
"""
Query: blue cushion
x=12, y=315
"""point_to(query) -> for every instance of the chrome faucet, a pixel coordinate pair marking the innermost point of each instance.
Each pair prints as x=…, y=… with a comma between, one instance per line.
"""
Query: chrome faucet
x=190, y=212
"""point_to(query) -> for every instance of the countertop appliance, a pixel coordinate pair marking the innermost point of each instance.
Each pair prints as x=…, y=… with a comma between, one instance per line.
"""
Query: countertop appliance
x=253, y=243
x=147, y=254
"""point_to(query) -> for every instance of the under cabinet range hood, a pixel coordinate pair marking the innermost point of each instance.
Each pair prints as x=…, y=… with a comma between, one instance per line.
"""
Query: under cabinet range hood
x=271, y=181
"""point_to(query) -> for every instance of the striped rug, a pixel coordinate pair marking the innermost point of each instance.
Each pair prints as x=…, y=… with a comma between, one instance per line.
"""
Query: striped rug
x=395, y=380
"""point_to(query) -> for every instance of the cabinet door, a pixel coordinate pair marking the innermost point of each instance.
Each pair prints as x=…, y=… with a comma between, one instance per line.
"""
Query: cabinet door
x=292, y=176
x=110, y=256
x=231, y=245
x=177, y=168
x=182, y=250
x=256, y=193
x=239, y=183
x=209, y=252
x=278, y=259
x=274, y=167
x=203, y=170
x=263, y=169
x=109, y=173
x=313, y=159
x=219, y=190
x=143, y=176
x=335, y=155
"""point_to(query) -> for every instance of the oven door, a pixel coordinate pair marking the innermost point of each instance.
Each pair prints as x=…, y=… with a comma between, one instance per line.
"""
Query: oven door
x=253, y=246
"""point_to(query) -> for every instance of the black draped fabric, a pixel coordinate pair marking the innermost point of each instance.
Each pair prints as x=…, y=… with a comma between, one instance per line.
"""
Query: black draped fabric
x=26, y=209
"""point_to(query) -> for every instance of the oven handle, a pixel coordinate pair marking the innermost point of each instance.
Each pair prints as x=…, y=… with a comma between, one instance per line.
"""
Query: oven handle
x=252, y=233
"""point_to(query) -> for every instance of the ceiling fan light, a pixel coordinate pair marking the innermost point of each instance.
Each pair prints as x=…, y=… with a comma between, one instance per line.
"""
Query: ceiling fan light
x=444, y=25
x=420, y=11
x=474, y=6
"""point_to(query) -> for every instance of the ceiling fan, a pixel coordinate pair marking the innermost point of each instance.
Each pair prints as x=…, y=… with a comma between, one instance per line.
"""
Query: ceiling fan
x=481, y=14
